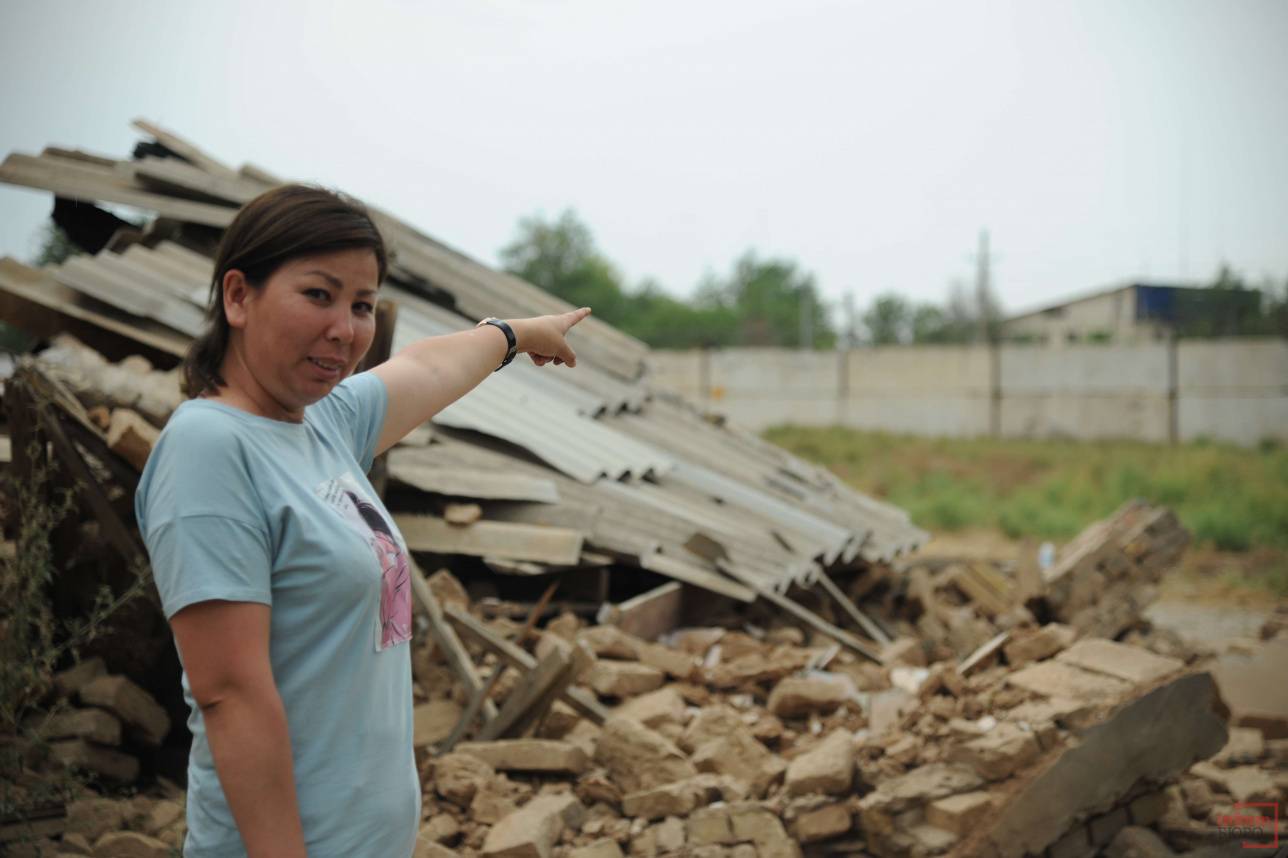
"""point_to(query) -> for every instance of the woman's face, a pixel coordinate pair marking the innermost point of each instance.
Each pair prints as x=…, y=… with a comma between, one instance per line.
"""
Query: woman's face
x=306, y=329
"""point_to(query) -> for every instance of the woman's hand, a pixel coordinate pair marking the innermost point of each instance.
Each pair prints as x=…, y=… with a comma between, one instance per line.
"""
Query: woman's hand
x=544, y=337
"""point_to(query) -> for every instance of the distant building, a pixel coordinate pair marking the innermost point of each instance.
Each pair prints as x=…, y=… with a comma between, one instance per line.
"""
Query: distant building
x=1134, y=312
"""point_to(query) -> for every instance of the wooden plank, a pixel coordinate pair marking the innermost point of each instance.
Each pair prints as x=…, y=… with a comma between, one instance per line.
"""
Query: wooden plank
x=983, y=653
x=477, y=699
x=445, y=637
x=166, y=173
x=816, y=622
x=94, y=186
x=870, y=628
x=519, y=707
x=532, y=542
x=690, y=573
x=33, y=302
x=577, y=698
x=654, y=613
x=474, y=483
x=184, y=149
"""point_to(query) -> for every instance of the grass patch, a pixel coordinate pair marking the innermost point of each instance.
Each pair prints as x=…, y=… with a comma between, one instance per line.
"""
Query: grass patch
x=1231, y=498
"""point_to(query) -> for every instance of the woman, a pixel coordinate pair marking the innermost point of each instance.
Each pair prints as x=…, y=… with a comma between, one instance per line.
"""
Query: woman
x=282, y=575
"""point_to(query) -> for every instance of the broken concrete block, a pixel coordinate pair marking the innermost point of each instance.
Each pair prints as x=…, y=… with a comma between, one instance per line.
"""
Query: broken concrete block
x=106, y=763
x=96, y=725
x=605, y=847
x=448, y=590
x=1057, y=679
x=161, y=815
x=529, y=755
x=1104, y=828
x=1243, y=783
x=887, y=708
x=611, y=642
x=1128, y=663
x=799, y=696
x=674, y=663
x=639, y=758
x=1151, y=737
x=663, y=706
x=532, y=830
x=489, y=808
x=1246, y=745
x=961, y=813
x=432, y=849
x=710, y=826
x=711, y=722
x=919, y=787
x=673, y=799
x=69, y=681
x=1038, y=644
x=740, y=756
x=434, y=721
x=131, y=437
x=134, y=706
x=1252, y=686
x=668, y=836
x=1148, y=809
x=931, y=840
x=826, y=768
x=823, y=823
x=764, y=829
x=1137, y=842
x=623, y=678
x=93, y=817
x=999, y=753
x=907, y=651
x=458, y=777
x=130, y=844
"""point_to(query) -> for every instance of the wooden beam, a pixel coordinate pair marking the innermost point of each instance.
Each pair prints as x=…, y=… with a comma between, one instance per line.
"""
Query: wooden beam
x=533, y=542
x=816, y=622
x=520, y=707
x=865, y=622
x=446, y=639
x=477, y=699
x=691, y=573
x=651, y=615
x=577, y=698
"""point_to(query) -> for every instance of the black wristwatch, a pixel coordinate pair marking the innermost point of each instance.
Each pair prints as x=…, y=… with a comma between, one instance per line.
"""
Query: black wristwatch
x=512, y=342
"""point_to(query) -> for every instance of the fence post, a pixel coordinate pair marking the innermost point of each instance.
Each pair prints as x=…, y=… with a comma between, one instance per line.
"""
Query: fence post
x=1173, y=388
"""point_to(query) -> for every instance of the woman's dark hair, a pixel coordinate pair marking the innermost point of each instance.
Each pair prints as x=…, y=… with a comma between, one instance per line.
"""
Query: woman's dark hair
x=279, y=225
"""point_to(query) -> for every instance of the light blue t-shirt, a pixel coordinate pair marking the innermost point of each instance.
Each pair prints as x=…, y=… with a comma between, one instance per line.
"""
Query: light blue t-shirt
x=238, y=507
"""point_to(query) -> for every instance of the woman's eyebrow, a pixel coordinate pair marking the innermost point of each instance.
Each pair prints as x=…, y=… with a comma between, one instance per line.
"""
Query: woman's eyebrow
x=338, y=283
x=330, y=278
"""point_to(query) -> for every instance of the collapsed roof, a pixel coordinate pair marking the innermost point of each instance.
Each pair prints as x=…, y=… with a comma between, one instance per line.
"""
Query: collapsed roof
x=641, y=476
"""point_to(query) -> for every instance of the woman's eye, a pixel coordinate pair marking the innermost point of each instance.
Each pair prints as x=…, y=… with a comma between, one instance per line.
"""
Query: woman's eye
x=320, y=294
x=363, y=308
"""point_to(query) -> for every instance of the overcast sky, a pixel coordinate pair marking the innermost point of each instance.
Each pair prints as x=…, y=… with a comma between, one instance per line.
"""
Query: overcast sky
x=869, y=141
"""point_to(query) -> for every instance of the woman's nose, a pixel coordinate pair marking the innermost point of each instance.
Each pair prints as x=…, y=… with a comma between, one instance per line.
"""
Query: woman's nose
x=341, y=327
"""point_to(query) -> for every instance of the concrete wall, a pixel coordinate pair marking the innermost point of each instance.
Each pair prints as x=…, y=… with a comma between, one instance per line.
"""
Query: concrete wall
x=1231, y=390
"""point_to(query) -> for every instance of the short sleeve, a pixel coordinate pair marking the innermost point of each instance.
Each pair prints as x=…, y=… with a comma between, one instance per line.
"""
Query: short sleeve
x=199, y=558
x=356, y=410
x=201, y=518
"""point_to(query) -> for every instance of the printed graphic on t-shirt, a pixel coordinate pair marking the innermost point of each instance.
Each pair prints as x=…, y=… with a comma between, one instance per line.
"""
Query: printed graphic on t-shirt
x=347, y=498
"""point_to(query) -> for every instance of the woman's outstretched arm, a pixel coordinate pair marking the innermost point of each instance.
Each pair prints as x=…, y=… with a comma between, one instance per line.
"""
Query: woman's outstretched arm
x=432, y=373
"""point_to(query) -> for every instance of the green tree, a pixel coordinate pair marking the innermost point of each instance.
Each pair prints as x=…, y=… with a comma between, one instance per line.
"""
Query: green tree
x=888, y=320
x=560, y=256
x=768, y=298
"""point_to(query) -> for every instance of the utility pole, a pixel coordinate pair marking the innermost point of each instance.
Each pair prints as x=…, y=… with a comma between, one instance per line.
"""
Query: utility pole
x=983, y=275
x=851, y=340
x=807, y=317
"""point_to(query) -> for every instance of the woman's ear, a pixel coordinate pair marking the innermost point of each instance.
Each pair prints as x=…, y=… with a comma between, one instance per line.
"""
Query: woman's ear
x=236, y=293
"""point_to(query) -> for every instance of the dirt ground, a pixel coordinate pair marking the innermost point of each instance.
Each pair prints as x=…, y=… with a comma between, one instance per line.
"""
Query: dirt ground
x=1211, y=599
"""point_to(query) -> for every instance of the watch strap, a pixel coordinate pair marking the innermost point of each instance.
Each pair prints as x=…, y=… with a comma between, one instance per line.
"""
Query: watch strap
x=512, y=343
